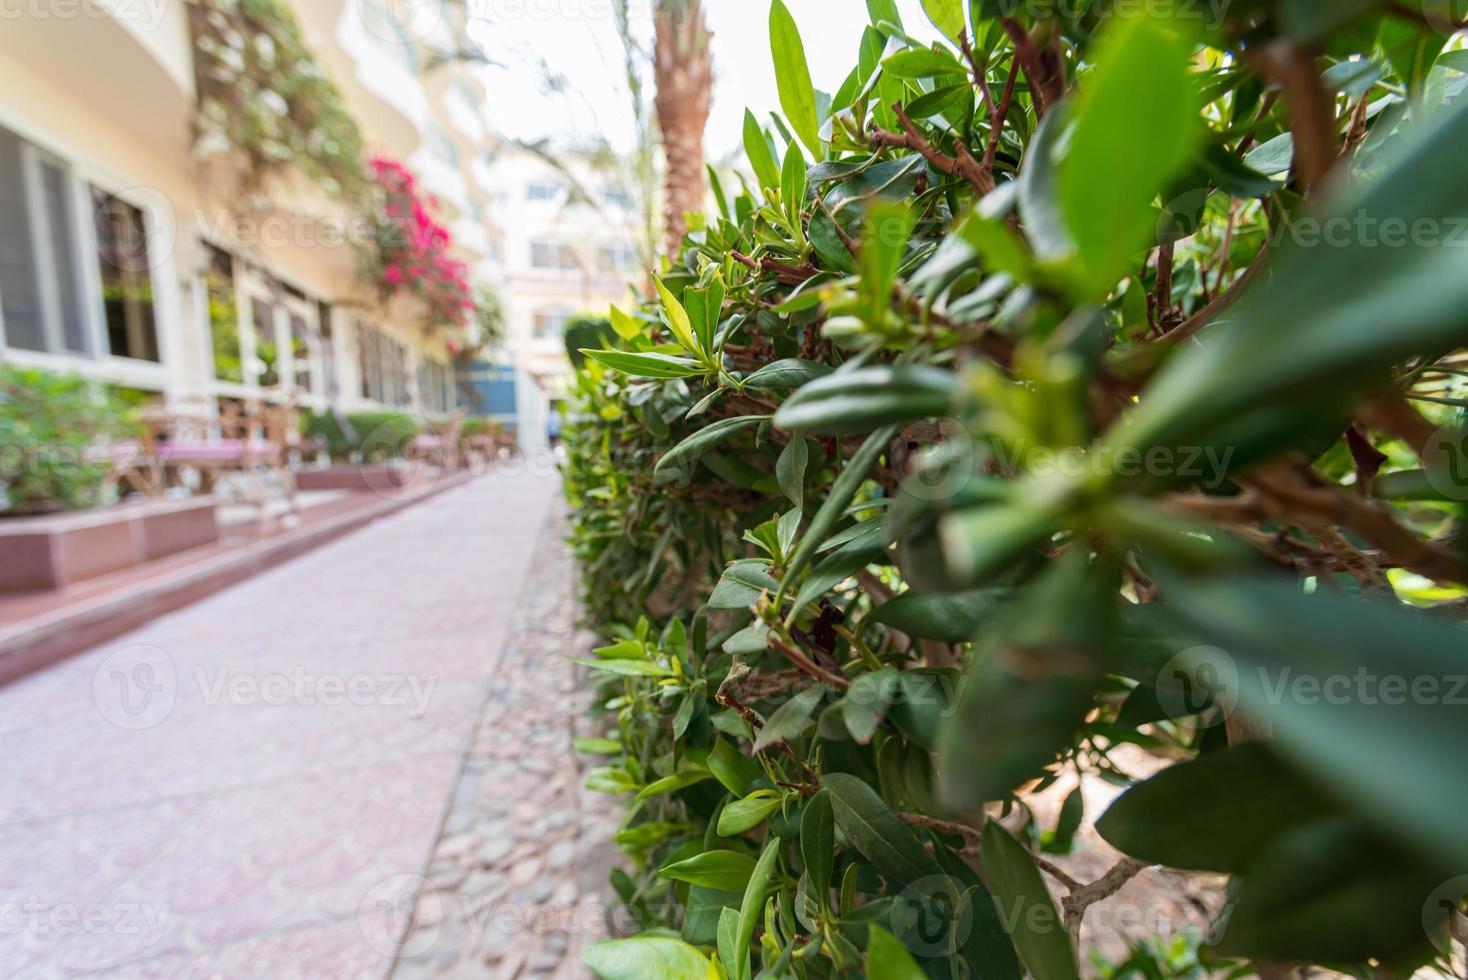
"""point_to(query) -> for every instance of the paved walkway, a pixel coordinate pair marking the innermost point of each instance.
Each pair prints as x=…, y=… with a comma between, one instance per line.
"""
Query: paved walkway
x=255, y=786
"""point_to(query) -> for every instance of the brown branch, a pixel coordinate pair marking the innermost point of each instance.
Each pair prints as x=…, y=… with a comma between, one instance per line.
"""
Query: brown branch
x=971, y=834
x=1312, y=110
x=1080, y=899
x=963, y=165
x=1001, y=115
x=1301, y=492
x=808, y=666
x=1220, y=303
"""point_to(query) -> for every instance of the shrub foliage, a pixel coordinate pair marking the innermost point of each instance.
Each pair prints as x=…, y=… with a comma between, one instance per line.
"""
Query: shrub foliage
x=1081, y=383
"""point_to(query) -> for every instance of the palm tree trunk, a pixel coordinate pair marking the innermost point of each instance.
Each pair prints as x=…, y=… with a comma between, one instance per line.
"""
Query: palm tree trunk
x=684, y=72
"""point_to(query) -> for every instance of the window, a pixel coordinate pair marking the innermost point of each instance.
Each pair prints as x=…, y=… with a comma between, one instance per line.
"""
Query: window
x=302, y=346
x=443, y=146
x=543, y=191
x=616, y=258
x=551, y=323
x=127, y=281
x=222, y=320
x=617, y=196
x=267, y=350
x=383, y=364
x=60, y=241
x=550, y=255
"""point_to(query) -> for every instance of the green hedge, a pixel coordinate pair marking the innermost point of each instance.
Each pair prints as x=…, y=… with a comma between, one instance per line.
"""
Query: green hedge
x=369, y=436
x=51, y=429
x=1069, y=397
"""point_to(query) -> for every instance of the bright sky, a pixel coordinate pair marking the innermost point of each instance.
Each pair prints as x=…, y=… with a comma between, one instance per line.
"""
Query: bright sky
x=578, y=40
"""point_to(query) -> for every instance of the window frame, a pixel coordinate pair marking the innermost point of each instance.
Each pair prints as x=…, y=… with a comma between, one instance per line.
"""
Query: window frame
x=80, y=174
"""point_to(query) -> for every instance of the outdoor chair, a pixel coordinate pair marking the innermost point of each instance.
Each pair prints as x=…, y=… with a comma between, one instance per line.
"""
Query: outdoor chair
x=441, y=447
x=242, y=441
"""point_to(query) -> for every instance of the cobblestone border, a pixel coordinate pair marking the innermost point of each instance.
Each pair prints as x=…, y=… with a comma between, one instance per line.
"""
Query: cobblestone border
x=516, y=887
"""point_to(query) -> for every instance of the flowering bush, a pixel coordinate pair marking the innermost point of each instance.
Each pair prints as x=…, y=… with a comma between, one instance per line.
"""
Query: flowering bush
x=411, y=250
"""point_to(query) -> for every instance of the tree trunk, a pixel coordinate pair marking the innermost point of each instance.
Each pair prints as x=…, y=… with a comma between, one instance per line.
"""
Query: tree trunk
x=684, y=72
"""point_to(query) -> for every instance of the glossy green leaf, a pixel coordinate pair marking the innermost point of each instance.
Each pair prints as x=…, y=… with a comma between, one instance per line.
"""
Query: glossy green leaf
x=757, y=151
x=948, y=616
x=675, y=782
x=859, y=401
x=869, y=823
x=726, y=871
x=751, y=908
x=748, y=813
x=791, y=719
x=677, y=318
x=710, y=435
x=792, y=78
x=647, y=365
x=791, y=372
x=818, y=843
x=1139, y=62
x=1212, y=813
x=1026, y=907
x=646, y=956
x=887, y=959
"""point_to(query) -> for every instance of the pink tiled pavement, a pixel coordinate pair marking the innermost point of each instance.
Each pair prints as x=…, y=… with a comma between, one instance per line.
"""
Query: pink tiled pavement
x=245, y=787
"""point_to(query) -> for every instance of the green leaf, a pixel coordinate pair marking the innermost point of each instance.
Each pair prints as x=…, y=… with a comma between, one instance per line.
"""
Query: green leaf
x=727, y=936
x=818, y=844
x=626, y=327
x=1293, y=654
x=860, y=400
x=648, y=365
x=792, y=185
x=646, y=956
x=883, y=10
x=889, y=227
x=626, y=668
x=1330, y=891
x=675, y=782
x=733, y=768
x=748, y=813
x=887, y=959
x=922, y=63
x=710, y=435
x=752, y=906
x=1313, y=325
x=678, y=319
x=1030, y=685
x=866, y=702
x=791, y=719
x=791, y=372
x=792, y=78
x=726, y=871
x=741, y=585
x=598, y=746
x=1212, y=813
x=1072, y=812
x=1139, y=62
x=947, y=16
x=1025, y=905
x=876, y=832
x=757, y=151
x=790, y=470
x=843, y=491
x=951, y=617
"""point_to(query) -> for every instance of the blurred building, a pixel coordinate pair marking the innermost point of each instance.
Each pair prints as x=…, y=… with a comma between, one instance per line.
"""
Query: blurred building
x=124, y=257
x=567, y=232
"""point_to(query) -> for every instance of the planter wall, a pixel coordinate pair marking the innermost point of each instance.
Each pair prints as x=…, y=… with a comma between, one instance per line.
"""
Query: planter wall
x=55, y=551
x=370, y=476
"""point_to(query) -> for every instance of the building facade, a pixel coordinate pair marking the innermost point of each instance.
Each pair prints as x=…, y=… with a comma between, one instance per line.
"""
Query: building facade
x=567, y=237
x=122, y=260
